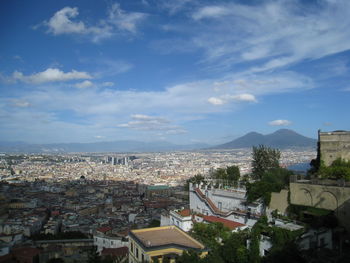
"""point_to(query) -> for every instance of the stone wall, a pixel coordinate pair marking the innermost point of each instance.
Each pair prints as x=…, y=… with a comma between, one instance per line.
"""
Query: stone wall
x=334, y=145
x=334, y=198
x=279, y=201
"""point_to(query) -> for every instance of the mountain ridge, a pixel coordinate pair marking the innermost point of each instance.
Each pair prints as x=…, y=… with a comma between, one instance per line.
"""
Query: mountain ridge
x=282, y=138
x=95, y=147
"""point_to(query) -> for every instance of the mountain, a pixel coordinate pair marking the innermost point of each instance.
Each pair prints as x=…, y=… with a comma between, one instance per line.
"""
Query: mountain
x=282, y=138
x=116, y=146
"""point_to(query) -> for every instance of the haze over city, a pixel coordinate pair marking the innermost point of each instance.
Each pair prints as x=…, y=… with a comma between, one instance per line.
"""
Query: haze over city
x=184, y=71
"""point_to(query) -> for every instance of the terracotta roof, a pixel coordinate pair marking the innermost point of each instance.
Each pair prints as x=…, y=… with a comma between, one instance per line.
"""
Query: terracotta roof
x=120, y=251
x=104, y=229
x=166, y=235
x=228, y=223
x=184, y=212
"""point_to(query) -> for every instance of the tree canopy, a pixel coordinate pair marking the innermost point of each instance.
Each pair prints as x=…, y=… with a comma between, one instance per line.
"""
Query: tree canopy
x=264, y=159
x=273, y=180
x=339, y=169
x=229, y=175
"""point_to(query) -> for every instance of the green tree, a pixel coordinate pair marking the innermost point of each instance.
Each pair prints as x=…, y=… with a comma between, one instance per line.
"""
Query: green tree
x=220, y=173
x=273, y=180
x=189, y=257
x=210, y=234
x=264, y=159
x=339, y=169
x=234, y=248
x=233, y=173
x=194, y=180
x=154, y=223
x=228, y=176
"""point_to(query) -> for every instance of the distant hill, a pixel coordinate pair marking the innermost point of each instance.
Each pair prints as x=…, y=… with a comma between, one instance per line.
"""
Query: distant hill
x=116, y=146
x=282, y=138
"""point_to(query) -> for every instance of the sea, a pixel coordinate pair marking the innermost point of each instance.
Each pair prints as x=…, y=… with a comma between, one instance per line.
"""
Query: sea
x=299, y=167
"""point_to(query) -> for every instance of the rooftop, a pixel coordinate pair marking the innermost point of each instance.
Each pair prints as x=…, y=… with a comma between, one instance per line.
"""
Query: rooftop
x=228, y=223
x=104, y=229
x=120, y=251
x=157, y=187
x=184, y=212
x=165, y=236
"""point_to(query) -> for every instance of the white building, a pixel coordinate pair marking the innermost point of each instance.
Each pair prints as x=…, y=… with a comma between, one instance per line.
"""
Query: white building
x=230, y=204
x=103, y=238
x=180, y=218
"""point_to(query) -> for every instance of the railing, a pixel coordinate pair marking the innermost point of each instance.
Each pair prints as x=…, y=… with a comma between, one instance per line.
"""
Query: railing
x=217, y=211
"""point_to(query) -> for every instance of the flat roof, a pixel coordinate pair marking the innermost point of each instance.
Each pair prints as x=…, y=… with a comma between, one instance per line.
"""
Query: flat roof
x=228, y=223
x=157, y=187
x=184, y=212
x=165, y=236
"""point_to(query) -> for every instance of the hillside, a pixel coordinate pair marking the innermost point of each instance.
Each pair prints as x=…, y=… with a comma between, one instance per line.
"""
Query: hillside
x=283, y=138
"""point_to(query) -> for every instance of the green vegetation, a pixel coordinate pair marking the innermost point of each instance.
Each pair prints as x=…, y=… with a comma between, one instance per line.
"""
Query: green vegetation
x=154, y=223
x=273, y=180
x=229, y=176
x=264, y=159
x=269, y=176
x=224, y=246
x=227, y=247
x=339, y=169
x=197, y=179
x=210, y=235
x=314, y=217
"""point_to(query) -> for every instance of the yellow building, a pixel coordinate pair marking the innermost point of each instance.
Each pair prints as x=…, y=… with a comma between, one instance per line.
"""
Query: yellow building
x=145, y=245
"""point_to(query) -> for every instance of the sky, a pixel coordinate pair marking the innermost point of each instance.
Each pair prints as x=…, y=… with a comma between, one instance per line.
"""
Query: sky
x=183, y=71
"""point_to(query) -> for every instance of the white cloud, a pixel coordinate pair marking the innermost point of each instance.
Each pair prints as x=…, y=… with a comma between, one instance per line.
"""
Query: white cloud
x=85, y=84
x=50, y=75
x=174, y=6
x=61, y=22
x=273, y=34
x=65, y=21
x=280, y=123
x=21, y=103
x=224, y=99
x=125, y=20
x=143, y=122
x=99, y=111
x=216, y=101
x=210, y=12
x=244, y=97
x=107, y=84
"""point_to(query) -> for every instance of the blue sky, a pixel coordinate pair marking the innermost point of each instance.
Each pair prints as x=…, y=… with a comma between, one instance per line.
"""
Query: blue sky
x=183, y=71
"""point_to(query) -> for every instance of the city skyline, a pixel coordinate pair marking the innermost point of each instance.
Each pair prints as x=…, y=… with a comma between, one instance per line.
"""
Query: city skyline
x=182, y=71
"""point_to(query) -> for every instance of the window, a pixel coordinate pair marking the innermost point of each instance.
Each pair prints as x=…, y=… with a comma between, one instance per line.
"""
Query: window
x=132, y=248
x=137, y=253
x=143, y=257
x=220, y=205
